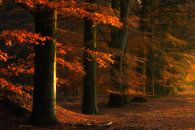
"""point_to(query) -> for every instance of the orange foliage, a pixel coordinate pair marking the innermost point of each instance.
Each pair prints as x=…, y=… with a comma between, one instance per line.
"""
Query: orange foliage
x=21, y=36
x=103, y=15
x=62, y=82
x=20, y=69
x=99, y=15
x=64, y=49
x=76, y=66
x=103, y=59
x=3, y=56
x=6, y=85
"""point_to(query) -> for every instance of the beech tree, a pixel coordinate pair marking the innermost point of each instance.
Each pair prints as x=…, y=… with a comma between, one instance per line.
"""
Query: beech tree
x=145, y=8
x=119, y=41
x=89, y=105
x=44, y=94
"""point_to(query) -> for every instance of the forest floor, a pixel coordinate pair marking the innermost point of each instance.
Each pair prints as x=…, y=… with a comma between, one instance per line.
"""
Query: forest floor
x=171, y=112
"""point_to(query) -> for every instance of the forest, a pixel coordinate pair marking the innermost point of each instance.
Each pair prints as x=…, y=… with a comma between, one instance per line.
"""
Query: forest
x=97, y=64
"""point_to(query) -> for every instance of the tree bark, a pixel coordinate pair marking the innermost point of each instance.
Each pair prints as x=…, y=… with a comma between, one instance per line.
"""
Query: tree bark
x=119, y=41
x=89, y=105
x=44, y=95
x=150, y=58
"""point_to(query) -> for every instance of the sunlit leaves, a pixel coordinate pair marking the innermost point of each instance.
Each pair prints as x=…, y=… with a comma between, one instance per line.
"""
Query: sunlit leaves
x=65, y=49
x=75, y=67
x=6, y=85
x=103, y=15
x=175, y=41
x=62, y=82
x=13, y=38
x=3, y=56
x=21, y=36
x=103, y=59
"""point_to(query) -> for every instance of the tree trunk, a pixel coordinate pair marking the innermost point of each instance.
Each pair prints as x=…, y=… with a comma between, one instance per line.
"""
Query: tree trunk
x=150, y=71
x=44, y=95
x=149, y=65
x=89, y=105
x=119, y=41
x=117, y=66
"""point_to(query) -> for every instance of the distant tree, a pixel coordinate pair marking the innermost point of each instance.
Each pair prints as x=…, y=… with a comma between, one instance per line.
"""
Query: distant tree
x=119, y=41
x=158, y=25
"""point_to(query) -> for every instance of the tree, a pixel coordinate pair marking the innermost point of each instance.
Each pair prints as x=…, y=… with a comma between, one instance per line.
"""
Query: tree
x=119, y=41
x=44, y=94
x=89, y=105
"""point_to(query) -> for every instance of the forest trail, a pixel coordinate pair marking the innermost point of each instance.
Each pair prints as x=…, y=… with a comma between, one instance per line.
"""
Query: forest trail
x=167, y=113
x=171, y=112
x=176, y=112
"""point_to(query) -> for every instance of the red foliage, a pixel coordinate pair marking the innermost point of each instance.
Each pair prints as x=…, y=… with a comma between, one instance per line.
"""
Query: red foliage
x=73, y=66
x=21, y=36
x=103, y=59
x=103, y=15
x=6, y=85
x=17, y=65
x=3, y=56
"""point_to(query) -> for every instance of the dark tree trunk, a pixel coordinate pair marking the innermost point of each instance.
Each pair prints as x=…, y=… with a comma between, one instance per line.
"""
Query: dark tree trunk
x=115, y=43
x=149, y=57
x=44, y=95
x=119, y=41
x=124, y=14
x=150, y=70
x=89, y=105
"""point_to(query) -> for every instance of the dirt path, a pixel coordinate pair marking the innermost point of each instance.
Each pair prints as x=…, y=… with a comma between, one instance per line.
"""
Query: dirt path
x=171, y=112
x=174, y=112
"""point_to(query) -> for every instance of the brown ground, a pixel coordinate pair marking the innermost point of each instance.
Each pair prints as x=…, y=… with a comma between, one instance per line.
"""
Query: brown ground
x=171, y=112
x=176, y=112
